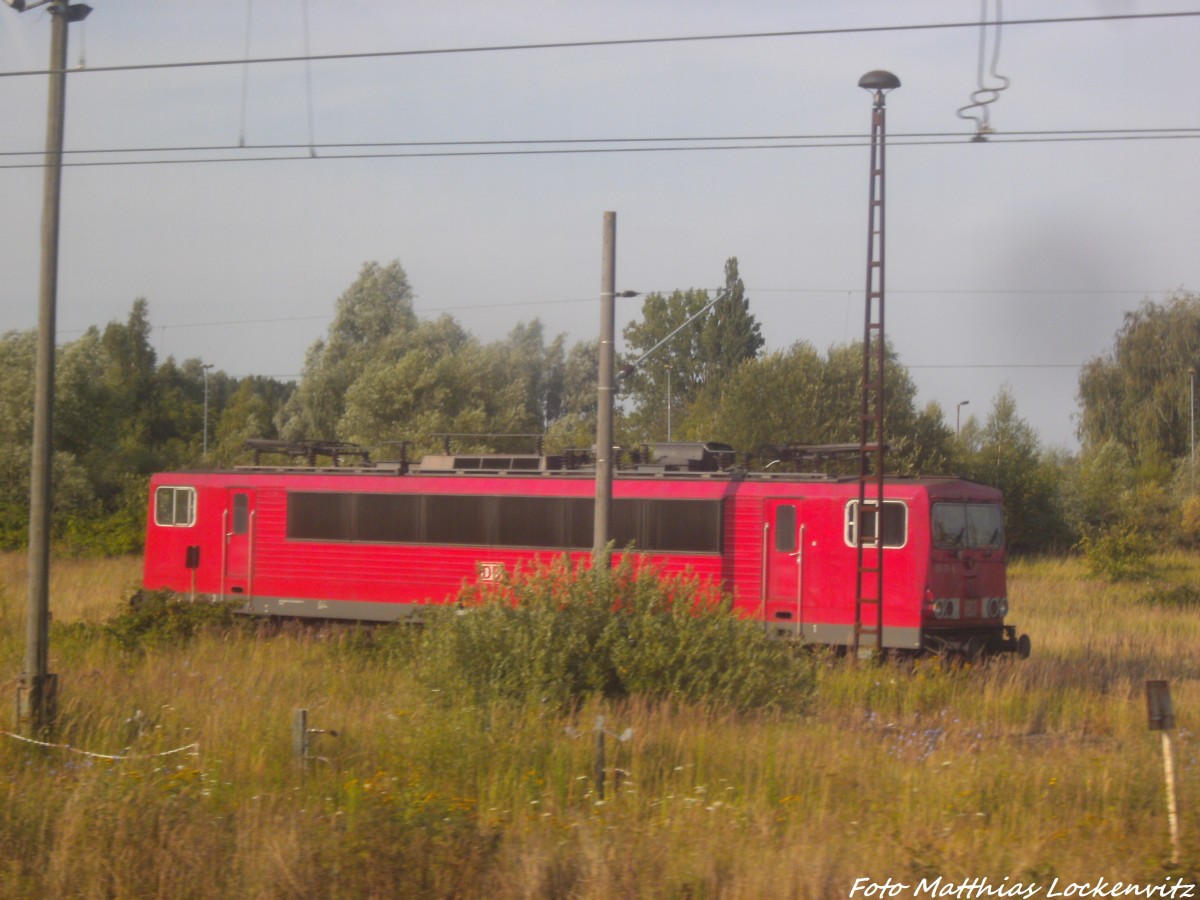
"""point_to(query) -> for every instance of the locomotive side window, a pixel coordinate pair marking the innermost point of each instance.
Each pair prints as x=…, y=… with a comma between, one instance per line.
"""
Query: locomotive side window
x=968, y=525
x=531, y=522
x=895, y=524
x=241, y=514
x=319, y=517
x=385, y=518
x=453, y=519
x=679, y=525
x=551, y=523
x=175, y=506
x=785, y=529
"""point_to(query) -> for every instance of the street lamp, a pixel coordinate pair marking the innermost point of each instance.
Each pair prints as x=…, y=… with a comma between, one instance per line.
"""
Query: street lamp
x=206, y=368
x=958, y=414
x=36, y=687
x=668, y=368
x=1192, y=432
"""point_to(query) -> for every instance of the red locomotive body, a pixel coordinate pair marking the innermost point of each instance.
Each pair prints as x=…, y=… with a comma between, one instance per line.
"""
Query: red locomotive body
x=380, y=543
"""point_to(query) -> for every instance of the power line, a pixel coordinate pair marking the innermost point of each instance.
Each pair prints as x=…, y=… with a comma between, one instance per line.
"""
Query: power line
x=958, y=292
x=612, y=42
x=1004, y=366
x=993, y=365
x=567, y=142
x=1129, y=135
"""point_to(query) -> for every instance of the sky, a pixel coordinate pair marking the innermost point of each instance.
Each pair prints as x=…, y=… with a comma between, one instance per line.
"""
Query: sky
x=1009, y=263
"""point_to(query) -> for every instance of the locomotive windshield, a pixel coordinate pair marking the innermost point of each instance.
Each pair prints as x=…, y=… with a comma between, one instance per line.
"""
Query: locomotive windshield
x=958, y=526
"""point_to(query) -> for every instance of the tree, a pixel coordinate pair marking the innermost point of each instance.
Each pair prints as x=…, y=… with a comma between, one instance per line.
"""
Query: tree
x=1138, y=393
x=374, y=309
x=252, y=411
x=799, y=396
x=417, y=383
x=731, y=335
x=1094, y=485
x=1006, y=454
x=575, y=425
x=701, y=358
x=531, y=374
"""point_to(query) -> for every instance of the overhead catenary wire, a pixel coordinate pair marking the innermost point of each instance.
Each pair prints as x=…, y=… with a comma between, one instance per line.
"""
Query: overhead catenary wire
x=613, y=42
x=455, y=307
x=986, y=94
x=312, y=139
x=734, y=140
x=245, y=76
x=493, y=151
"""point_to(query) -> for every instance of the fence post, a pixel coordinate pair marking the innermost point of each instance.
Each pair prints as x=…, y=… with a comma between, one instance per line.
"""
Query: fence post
x=599, y=768
x=1161, y=715
x=300, y=737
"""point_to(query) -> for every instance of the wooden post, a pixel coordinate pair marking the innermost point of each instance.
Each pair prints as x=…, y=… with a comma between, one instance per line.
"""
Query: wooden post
x=300, y=737
x=599, y=762
x=1161, y=716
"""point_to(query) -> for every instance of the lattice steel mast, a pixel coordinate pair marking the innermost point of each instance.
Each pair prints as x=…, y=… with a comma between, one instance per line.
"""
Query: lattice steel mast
x=868, y=607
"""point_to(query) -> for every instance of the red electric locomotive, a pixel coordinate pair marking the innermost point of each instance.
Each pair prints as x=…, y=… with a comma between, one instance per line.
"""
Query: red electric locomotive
x=380, y=541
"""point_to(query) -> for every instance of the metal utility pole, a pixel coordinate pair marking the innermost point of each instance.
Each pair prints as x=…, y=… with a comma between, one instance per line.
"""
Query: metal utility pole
x=1192, y=420
x=36, y=687
x=204, y=451
x=605, y=389
x=868, y=618
x=668, y=368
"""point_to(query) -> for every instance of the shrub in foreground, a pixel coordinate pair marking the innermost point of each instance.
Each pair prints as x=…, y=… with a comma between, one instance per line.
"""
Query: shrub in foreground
x=558, y=633
x=165, y=617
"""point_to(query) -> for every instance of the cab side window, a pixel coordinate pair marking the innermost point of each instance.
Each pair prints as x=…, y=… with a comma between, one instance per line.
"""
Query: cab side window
x=175, y=507
x=895, y=524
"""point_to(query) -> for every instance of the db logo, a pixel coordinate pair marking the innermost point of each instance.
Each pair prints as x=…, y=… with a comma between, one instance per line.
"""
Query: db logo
x=491, y=571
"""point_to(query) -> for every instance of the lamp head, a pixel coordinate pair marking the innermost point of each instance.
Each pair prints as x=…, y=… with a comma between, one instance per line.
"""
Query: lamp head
x=75, y=12
x=879, y=80
x=879, y=83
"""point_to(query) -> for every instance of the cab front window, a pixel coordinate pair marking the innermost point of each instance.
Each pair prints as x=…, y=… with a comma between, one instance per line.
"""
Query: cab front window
x=959, y=526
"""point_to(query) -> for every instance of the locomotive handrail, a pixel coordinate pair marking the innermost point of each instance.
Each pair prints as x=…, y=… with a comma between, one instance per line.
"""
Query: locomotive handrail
x=762, y=593
x=799, y=554
x=250, y=556
x=224, y=551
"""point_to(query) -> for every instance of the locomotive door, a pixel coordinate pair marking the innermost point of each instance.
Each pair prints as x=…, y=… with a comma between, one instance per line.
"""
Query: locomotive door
x=238, y=550
x=783, y=576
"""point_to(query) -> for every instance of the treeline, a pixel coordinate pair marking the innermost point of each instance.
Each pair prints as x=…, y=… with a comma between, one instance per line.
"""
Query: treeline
x=382, y=376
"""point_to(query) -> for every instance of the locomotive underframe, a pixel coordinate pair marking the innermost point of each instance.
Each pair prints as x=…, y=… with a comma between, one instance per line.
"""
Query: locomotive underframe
x=976, y=642
x=973, y=642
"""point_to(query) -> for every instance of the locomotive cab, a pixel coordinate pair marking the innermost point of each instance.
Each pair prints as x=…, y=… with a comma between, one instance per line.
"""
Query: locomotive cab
x=966, y=594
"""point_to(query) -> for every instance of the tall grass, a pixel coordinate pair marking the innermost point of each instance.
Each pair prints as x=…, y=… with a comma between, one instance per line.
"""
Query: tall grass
x=1029, y=770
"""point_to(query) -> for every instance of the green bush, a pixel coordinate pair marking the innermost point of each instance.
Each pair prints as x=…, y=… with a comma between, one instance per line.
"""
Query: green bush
x=162, y=617
x=1119, y=553
x=557, y=634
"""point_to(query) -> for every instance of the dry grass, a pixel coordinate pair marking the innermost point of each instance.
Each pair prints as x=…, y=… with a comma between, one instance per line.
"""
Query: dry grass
x=81, y=590
x=1029, y=771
